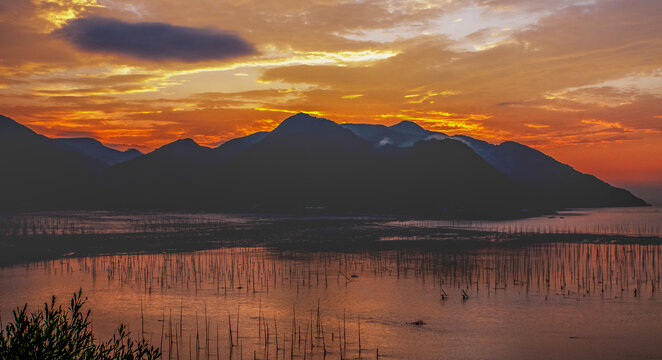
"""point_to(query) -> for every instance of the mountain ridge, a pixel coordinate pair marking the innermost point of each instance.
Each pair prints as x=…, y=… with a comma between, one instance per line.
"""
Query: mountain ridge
x=37, y=171
x=94, y=148
x=310, y=161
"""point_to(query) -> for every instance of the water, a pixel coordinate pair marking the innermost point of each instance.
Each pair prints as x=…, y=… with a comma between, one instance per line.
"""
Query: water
x=636, y=221
x=545, y=300
x=110, y=222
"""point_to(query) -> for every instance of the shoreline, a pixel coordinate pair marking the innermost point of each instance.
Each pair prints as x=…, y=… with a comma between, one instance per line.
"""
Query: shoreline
x=167, y=232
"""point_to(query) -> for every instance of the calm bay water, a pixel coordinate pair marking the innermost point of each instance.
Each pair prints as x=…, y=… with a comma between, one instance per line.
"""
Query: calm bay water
x=495, y=301
x=636, y=221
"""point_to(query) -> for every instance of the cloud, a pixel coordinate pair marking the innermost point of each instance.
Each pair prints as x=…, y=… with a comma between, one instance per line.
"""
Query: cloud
x=561, y=64
x=153, y=41
x=437, y=137
x=385, y=141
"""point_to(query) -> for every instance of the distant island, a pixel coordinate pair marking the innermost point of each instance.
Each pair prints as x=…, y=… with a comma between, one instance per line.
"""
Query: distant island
x=306, y=164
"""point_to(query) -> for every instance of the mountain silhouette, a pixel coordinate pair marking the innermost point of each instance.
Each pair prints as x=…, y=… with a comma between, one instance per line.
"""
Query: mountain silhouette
x=95, y=149
x=235, y=146
x=310, y=162
x=167, y=175
x=39, y=172
x=305, y=161
x=231, y=148
x=548, y=180
x=436, y=176
x=305, y=137
x=403, y=134
x=542, y=177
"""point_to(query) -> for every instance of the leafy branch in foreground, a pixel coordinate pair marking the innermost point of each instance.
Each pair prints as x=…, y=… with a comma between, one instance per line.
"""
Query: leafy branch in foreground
x=57, y=333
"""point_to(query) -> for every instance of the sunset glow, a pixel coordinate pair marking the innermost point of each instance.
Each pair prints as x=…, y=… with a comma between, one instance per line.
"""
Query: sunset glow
x=581, y=81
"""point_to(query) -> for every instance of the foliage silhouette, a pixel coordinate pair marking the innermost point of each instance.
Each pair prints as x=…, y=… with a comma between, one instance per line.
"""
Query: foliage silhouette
x=57, y=333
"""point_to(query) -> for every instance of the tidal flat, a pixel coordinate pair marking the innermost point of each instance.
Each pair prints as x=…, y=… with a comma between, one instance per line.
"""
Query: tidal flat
x=578, y=284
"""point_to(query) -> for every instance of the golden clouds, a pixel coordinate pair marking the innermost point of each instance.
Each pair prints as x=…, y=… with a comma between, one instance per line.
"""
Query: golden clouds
x=58, y=12
x=340, y=58
x=441, y=121
x=352, y=96
x=537, y=126
x=582, y=75
x=319, y=58
x=287, y=111
x=419, y=98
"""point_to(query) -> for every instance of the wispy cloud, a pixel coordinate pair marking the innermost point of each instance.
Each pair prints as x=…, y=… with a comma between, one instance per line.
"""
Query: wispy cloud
x=567, y=76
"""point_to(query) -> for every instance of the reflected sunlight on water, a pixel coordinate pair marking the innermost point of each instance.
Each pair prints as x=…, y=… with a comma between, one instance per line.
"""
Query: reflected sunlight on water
x=555, y=300
x=639, y=221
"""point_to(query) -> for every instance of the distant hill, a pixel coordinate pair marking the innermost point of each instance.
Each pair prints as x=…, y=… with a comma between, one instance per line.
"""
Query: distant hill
x=97, y=150
x=403, y=134
x=306, y=163
x=309, y=162
x=167, y=175
x=548, y=180
x=174, y=175
x=234, y=147
x=545, y=179
x=39, y=172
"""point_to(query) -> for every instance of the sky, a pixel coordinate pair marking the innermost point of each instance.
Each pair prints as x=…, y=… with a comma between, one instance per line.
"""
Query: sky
x=578, y=80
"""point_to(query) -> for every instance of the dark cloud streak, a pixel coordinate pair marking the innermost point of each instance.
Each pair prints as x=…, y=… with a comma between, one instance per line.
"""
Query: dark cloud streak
x=153, y=41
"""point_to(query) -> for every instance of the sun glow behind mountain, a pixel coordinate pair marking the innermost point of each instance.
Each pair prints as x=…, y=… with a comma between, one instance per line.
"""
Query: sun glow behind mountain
x=581, y=80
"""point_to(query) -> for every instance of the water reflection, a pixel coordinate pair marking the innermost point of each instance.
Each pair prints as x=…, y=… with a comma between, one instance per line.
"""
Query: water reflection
x=637, y=221
x=550, y=300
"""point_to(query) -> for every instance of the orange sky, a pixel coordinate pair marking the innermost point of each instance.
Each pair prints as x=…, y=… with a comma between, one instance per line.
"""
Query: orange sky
x=579, y=80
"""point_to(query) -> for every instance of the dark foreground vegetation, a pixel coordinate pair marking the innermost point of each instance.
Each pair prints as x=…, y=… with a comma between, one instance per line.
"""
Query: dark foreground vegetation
x=59, y=333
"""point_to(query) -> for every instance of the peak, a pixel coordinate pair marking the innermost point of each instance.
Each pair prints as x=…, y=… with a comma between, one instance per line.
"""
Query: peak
x=187, y=141
x=303, y=117
x=407, y=123
x=133, y=151
x=181, y=147
x=181, y=143
x=408, y=126
x=303, y=123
